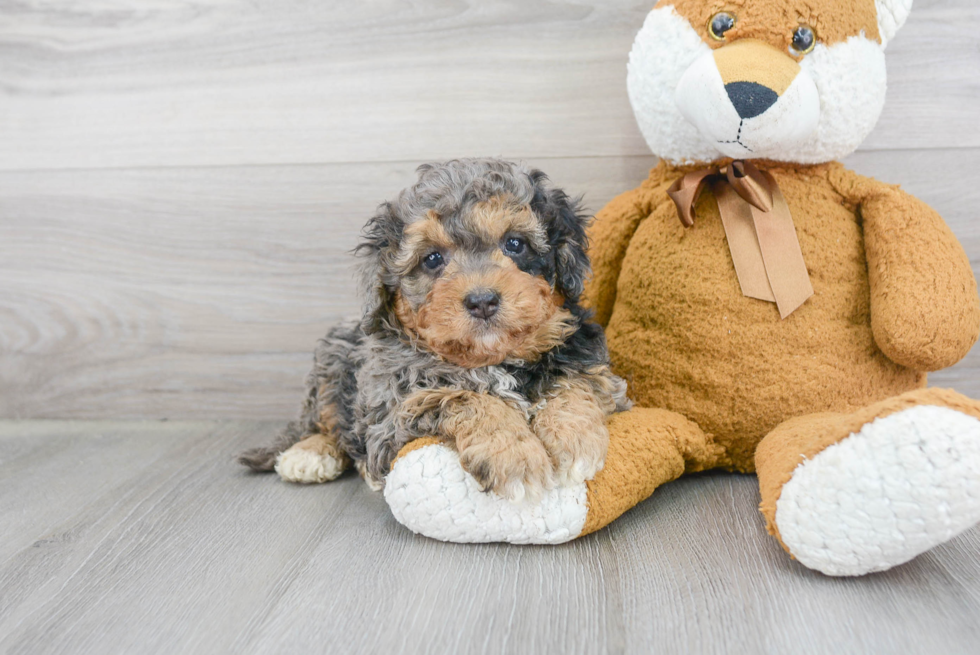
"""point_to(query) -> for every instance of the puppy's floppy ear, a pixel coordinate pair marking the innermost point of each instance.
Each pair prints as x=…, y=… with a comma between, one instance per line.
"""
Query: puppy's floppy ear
x=379, y=243
x=566, y=224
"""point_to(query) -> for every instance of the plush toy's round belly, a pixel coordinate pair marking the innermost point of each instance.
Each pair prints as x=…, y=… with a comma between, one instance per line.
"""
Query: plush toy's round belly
x=686, y=339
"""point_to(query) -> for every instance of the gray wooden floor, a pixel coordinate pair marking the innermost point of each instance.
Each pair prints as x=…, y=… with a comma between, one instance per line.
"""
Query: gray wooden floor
x=144, y=537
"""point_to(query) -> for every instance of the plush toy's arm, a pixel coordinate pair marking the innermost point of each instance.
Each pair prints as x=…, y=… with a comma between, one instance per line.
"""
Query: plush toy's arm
x=609, y=237
x=925, y=313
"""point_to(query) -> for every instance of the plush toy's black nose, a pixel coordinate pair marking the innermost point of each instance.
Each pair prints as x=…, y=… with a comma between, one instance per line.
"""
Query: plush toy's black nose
x=750, y=99
x=482, y=304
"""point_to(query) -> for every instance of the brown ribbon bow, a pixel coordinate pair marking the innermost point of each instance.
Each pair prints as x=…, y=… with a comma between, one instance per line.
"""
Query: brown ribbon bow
x=759, y=227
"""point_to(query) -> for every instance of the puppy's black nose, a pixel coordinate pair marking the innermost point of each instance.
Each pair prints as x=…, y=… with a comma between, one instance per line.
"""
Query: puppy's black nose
x=482, y=304
x=750, y=99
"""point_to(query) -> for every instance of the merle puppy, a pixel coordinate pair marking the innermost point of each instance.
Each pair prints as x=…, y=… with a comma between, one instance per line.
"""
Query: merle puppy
x=472, y=332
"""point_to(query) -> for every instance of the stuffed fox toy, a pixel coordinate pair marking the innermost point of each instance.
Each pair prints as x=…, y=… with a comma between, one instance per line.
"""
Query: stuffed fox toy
x=772, y=311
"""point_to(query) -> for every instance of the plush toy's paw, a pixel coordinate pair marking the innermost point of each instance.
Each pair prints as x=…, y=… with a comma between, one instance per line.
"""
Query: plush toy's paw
x=896, y=488
x=430, y=493
x=515, y=468
x=307, y=466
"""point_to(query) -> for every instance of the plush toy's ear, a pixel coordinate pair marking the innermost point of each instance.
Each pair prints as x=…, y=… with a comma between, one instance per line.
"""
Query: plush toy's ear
x=892, y=14
x=566, y=225
x=379, y=241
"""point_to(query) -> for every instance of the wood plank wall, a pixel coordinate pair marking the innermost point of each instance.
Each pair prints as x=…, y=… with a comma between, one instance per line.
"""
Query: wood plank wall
x=180, y=180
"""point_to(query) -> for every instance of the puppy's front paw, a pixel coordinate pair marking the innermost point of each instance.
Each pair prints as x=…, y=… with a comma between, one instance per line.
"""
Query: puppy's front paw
x=519, y=469
x=372, y=482
x=315, y=459
x=308, y=467
x=576, y=441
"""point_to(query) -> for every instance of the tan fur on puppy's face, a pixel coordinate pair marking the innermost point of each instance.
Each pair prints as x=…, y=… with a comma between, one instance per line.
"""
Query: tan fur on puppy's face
x=527, y=324
x=430, y=305
x=494, y=219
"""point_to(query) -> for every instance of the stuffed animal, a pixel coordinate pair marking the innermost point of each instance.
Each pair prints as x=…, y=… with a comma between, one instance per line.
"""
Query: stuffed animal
x=771, y=311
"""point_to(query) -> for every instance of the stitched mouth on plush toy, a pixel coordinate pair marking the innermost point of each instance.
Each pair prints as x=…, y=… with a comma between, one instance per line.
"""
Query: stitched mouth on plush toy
x=738, y=137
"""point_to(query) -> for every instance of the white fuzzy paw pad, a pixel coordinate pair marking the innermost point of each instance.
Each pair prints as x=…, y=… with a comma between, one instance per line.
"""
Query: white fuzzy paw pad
x=898, y=487
x=298, y=465
x=430, y=494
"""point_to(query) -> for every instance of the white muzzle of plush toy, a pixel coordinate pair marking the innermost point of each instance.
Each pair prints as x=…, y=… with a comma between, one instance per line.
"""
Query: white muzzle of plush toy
x=750, y=100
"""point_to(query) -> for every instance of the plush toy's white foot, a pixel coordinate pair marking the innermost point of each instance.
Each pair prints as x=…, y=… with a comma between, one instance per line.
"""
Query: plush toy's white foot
x=898, y=487
x=430, y=493
x=308, y=467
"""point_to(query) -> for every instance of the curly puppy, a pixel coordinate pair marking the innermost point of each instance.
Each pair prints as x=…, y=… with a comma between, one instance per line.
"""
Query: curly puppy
x=472, y=332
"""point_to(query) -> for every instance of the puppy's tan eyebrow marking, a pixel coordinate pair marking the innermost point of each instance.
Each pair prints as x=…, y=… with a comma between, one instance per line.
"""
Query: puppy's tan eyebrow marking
x=492, y=219
x=422, y=235
x=500, y=259
x=428, y=230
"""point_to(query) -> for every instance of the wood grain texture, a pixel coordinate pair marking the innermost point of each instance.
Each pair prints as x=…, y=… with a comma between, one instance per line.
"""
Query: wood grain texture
x=176, y=293
x=231, y=82
x=181, y=180
x=199, y=293
x=158, y=543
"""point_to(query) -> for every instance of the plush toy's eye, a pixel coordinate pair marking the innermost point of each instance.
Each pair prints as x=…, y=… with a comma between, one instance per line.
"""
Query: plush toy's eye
x=719, y=24
x=514, y=245
x=804, y=40
x=433, y=260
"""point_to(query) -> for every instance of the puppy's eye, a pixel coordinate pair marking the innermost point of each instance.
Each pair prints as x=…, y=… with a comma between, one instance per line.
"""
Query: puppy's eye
x=514, y=245
x=804, y=40
x=433, y=260
x=719, y=24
